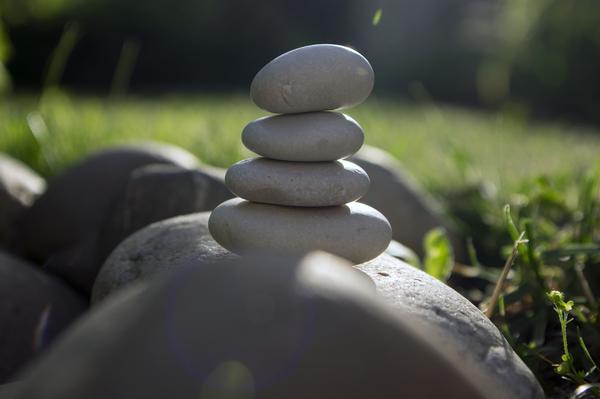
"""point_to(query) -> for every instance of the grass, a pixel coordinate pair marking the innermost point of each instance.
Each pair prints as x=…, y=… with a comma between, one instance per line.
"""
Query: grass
x=475, y=162
x=433, y=143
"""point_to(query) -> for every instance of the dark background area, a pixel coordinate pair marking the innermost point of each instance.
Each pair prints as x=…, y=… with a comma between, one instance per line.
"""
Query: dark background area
x=539, y=57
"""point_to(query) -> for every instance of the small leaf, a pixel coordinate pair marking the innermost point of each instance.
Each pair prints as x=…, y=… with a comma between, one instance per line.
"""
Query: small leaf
x=563, y=368
x=558, y=300
x=377, y=17
x=439, y=259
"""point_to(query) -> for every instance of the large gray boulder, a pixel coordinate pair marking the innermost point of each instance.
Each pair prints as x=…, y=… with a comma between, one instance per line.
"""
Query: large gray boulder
x=398, y=197
x=7, y=391
x=63, y=225
x=160, y=192
x=34, y=308
x=454, y=322
x=270, y=327
x=78, y=201
x=164, y=245
x=434, y=306
x=19, y=187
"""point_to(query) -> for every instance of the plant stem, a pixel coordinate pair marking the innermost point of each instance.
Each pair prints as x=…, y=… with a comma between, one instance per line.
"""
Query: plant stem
x=500, y=283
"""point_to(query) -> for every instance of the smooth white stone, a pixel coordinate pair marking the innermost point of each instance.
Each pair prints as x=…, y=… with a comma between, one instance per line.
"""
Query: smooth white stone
x=353, y=231
x=313, y=78
x=308, y=137
x=297, y=183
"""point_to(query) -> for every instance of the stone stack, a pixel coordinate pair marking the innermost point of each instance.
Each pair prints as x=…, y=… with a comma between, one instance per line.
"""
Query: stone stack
x=299, y=195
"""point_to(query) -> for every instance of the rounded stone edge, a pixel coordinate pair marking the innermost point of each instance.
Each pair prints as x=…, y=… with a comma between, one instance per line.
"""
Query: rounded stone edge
x=353, y=171
x=249, y=131
x=256, y=81
x=223, y=237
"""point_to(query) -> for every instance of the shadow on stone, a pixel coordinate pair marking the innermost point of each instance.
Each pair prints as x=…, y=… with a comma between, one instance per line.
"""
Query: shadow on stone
x=257, y=327
x=34, y=308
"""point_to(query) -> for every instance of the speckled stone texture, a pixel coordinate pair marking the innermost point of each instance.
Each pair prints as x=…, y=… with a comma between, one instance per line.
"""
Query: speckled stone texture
x=315, y=184
x=61, y=228
x=162, y=246
x=159, y=192
x=308, y=137
x=454, y=322
x=353, y=231
x=313, y=78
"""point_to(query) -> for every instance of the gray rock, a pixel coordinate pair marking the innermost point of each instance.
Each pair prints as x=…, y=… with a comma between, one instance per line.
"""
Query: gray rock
x=263, y=328
x=395, y=194
x=313, y=78
x=62, y=226
x=19, y=187
x=34, y=309
x=7, y=391
x=162, y=246
x=308, y=137
x=354, y=231
x=454, y=322
x=297, y=183
x=159, y=192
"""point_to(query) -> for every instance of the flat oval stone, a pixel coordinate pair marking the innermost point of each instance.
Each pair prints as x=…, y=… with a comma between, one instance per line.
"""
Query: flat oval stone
x=297, y=183
x=313, y=78
x=309, y=137
x=353, y=231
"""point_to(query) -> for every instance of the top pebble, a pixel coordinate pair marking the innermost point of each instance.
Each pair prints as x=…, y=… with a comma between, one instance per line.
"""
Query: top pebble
x=320, y=77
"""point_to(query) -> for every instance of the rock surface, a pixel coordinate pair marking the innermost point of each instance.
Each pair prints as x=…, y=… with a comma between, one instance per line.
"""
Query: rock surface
x=309, y=137
x=160, y=192
x=19, y=187
x=7, y=391
x=34, y=309
x=297, y=183
x=313, y=78
x=454, y=322
x=409, y=210
x=353, y=231
x=62, y=228
x=162, y=246
x=78, y=202
x=254, y=328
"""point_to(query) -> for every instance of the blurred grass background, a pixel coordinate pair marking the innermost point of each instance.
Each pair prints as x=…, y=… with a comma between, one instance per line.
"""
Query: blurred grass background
x=441, y=145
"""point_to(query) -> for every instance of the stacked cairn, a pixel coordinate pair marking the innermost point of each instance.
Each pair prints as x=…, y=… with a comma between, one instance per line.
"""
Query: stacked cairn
x=299, y=195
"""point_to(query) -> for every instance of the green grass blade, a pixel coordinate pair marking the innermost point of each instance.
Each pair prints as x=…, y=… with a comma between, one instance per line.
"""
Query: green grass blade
x=515, y=234
x=586, y=352
x=125, y=66
x=60, y=55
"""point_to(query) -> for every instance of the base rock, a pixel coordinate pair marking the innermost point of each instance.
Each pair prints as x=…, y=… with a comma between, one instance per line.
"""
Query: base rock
x=453, y=321
x=256, y=327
